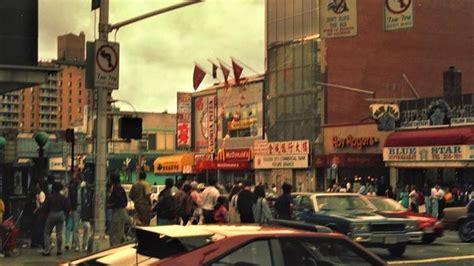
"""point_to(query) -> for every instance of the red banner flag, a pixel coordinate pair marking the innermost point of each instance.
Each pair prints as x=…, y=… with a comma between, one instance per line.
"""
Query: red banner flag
x=237, y=71
x=225, y=72
x=198, y=76
x=214, y=70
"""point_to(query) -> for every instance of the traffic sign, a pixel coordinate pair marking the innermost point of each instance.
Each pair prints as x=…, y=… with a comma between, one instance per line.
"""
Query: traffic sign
x=398, y=14
x=106, y=65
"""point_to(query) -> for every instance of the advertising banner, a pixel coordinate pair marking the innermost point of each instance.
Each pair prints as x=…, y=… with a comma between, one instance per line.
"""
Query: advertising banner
x=398, y=14
x=183, y=118
x=338, y=18
x=205, y=118
x=429, y=153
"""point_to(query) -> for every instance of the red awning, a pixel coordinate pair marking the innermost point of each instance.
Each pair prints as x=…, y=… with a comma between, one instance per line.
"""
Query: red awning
x=349, y=160
x=217, y=165
x=431, y=137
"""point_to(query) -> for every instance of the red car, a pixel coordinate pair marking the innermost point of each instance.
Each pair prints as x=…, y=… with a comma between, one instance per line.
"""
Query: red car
x=233, y=245
x=432, y=228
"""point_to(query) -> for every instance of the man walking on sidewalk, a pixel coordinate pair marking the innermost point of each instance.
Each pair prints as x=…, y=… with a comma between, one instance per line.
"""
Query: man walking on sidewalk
x=140, y=195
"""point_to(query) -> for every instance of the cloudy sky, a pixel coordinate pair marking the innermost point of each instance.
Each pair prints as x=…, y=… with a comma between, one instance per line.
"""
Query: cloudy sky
x=158, y=54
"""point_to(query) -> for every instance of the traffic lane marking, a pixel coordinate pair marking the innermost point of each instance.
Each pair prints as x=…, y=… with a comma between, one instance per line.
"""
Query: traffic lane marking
x=431, y=260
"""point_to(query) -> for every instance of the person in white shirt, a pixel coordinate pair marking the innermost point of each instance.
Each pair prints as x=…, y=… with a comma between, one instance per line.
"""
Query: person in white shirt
x=209, y=199
x=437, y=194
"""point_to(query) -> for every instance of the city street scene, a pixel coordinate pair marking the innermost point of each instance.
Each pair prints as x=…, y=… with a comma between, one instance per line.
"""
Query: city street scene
x=237, y=132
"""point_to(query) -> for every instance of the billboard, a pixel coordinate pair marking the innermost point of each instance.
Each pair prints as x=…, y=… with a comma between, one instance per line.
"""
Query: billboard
x=183, y=119
x=240, y=115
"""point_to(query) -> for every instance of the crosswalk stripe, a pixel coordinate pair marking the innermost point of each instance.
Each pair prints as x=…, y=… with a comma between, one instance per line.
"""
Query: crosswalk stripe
x=431, y=260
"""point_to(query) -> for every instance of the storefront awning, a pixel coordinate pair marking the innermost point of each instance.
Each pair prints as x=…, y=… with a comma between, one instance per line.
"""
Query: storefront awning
x=181, y=163
x=431, y=137
x=430, y=148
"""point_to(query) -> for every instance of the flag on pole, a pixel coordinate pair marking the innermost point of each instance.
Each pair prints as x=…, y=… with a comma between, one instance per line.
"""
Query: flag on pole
x=198, y=76
x=225, y=72
x=237, y=71
x=214, y=70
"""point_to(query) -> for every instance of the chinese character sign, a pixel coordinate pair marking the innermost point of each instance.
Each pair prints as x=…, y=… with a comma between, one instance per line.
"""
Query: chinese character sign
x=183, y=117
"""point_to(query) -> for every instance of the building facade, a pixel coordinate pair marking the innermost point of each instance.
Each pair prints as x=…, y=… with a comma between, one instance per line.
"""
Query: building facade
x=325, y=61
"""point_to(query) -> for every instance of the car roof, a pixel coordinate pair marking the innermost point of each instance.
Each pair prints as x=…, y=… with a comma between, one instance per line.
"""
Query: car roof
x=324, y=194
x=176, y=231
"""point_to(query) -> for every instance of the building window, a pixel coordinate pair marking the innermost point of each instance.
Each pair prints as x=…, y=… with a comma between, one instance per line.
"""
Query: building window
x=151, y=141
x=70, y=75
x=69, y=84
x=80, y=84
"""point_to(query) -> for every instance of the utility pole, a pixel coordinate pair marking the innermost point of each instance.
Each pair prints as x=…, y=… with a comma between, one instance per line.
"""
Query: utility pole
x=100, y=243
x=105, y=28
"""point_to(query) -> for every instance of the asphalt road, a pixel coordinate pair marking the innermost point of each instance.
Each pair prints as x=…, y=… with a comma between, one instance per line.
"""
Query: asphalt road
x=448, y=250
x=445, y=251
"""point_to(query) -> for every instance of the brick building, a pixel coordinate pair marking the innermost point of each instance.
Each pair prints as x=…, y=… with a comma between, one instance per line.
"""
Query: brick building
x=375, y=59
x=57, y=104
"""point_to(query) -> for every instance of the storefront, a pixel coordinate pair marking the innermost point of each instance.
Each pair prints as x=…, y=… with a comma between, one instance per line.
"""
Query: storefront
x=276, y=163
x=353, y=153
x=230, y=166
x=174, y=166
x=435, y=155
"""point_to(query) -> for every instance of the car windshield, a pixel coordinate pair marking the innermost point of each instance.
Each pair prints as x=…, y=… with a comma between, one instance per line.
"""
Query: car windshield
x=385, y=204
x=343, y=203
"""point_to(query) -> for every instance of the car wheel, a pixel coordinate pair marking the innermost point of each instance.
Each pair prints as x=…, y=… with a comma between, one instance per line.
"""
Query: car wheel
x=428, y=239
x=397, y=250
x=464, y=232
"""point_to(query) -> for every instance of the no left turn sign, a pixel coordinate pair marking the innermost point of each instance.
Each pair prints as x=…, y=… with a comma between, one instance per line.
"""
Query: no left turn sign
x=107, y=58
x=397, y=6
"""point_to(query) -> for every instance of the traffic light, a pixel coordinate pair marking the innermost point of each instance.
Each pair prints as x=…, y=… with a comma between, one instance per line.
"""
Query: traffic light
x=70, y=135
x=130, y=128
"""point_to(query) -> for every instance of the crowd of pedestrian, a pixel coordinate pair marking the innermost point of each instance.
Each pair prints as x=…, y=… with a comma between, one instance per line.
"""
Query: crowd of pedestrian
x=62, y=208
x=431, y=200
x=186, y=203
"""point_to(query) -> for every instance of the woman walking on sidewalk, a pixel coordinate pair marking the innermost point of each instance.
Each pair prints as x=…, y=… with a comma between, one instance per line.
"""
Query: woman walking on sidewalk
x=56, y=205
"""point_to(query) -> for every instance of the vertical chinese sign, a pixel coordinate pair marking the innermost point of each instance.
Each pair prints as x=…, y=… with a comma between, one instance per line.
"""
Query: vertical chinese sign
x=338, y=18
x=183, y=119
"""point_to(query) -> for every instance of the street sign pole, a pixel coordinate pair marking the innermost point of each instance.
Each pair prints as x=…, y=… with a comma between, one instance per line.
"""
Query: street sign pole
x=100, y=242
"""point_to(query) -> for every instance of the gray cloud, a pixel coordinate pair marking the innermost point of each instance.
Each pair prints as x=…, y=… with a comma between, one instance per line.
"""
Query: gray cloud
x=158, y=54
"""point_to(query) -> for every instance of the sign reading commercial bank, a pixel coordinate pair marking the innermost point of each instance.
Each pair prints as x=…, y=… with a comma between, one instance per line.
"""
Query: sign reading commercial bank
x=429, y=153
x=285, y=154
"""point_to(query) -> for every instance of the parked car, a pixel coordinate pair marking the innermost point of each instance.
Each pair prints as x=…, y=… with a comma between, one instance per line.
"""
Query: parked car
x=431, y=227
x=460, y=219
x=353, y=215
x=233, y=245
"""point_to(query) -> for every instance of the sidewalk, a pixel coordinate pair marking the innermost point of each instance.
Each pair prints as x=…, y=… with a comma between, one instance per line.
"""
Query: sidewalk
x=32, y=256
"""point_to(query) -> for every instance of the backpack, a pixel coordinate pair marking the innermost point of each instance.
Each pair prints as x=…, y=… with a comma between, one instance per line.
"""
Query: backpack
x=166, y=206
x=186, y=206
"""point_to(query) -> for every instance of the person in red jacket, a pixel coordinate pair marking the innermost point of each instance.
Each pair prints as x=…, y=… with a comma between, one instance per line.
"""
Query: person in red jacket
x=220, y=211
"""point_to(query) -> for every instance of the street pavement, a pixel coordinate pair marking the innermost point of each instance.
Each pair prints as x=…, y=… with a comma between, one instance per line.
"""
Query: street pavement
x=448, y=250
x=445, y=251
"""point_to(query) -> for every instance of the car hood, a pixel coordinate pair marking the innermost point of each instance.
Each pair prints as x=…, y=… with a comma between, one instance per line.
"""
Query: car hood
x=358, y=216
x=410, y=215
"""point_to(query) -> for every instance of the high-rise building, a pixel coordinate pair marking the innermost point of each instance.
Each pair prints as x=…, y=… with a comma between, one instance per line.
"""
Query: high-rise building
x=57, y=104
x=294, y=101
